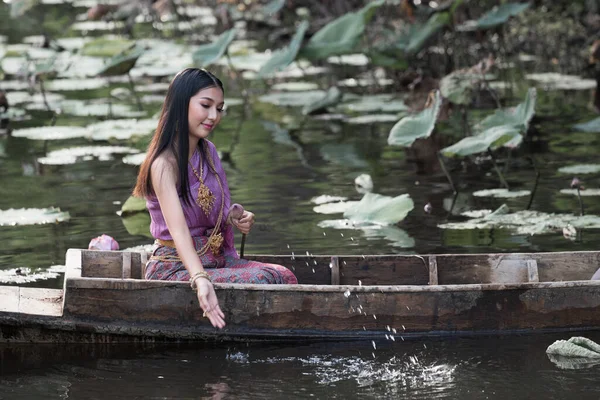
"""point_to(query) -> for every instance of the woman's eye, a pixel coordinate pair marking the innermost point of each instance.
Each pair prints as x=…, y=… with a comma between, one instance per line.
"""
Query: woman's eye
x=220, y=110
x=205, y=105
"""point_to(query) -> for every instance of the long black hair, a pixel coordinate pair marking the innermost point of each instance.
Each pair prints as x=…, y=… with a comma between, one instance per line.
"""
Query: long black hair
x=173, y=128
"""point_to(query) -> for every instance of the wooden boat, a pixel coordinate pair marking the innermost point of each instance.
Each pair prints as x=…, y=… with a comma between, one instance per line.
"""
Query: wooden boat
x=343, y=297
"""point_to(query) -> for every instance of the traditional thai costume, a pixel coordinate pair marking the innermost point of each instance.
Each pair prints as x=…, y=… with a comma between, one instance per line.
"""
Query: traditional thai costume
x=206, y=215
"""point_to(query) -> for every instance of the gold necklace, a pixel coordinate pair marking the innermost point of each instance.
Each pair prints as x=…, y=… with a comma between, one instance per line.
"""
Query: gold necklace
x=205, y=198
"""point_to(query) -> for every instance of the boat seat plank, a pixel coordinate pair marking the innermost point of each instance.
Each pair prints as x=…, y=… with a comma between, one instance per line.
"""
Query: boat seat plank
x=9, y=298
x=433, y=270
x=335, y=270
x=109, y=264
x=384, y=270
x=532, y=270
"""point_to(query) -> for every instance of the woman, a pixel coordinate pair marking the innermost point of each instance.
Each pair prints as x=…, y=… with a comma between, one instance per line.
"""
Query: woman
x=188, y=198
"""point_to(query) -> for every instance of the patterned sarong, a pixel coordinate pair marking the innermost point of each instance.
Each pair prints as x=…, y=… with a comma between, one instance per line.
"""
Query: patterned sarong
x=221, y=268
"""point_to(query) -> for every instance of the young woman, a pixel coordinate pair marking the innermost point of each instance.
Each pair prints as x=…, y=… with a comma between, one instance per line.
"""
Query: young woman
x=188, y=197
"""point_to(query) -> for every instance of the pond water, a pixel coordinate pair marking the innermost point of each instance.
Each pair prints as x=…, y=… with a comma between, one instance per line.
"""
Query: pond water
x=275, y=169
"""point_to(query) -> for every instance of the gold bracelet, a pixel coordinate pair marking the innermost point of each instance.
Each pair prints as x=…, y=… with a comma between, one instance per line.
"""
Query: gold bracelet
x=200, y=274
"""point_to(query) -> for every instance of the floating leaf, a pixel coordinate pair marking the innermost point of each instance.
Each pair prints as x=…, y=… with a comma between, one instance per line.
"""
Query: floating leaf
x=376, y=103
x=284, y=57
x=331, y=98
x=325, y=198
x=18, y=8
x=398, y=237
x=489, y=139
x=592, y=126
x=379, y=209
x=71, y=155
x=293, y=99
x=580, y=169
x=14, y=114
x=133, y=205
x=122, y=63
x=519, y=116
x=335, y=208
x=96, y=109
x=75, y=84
x=341, y=35
x=497, y=16
x=19, y=276
x=586, y=192
x=556, y=81
x=208, y=54
x=51, y=132
x=458, y=86
x=272, y=7
x=106, y=47
x=32, y=216
x=121, y=129
x=526, y=222
x=372, y=118
x=137, y=224
x=417, y=126
x=134, y=159
x=501, y=193
x=357, y=60
x=300, y=86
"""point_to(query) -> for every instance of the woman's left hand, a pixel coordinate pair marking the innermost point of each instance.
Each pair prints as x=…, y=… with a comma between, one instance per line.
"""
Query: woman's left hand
x=244, y=224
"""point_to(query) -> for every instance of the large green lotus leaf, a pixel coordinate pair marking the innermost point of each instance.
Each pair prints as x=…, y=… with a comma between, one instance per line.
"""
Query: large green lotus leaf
x=586, y=192
x=284, y=57
x=458, y=86
x=380, y=103
x=489, y=139
x=414, y=127
x=381, y=59
x=379, y=209
x=46, y=69
x=331, y=98
x=341, y=35
x=592, y=126
x=580, y=169
x=32, y=216
x=518, y=116
x=210, y=53
x=106, y=47
x=497, y=16
x=133, y=205
x=122, y=63
x=421, y=33
x=137, y=224
x=18, y=8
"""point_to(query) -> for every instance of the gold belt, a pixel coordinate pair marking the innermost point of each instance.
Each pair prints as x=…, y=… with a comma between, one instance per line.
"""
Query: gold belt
x=167, y=243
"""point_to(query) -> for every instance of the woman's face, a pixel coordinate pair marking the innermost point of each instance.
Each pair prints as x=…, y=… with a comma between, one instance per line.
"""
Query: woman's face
x=205, y=111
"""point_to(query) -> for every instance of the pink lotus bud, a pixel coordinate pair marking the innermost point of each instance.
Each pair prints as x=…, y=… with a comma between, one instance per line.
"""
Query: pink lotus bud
x=103, y=242
x=235, y=212
x=575, y=183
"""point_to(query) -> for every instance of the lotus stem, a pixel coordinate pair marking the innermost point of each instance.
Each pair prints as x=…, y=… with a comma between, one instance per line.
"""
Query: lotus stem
x=454, y=198
x=137, y=98
x=443, y=166
x=535, y=185
x=502, y=180
x=465, y=117
x=44, y=95
x=238, y=75
x=581, y=211
x=508, y=161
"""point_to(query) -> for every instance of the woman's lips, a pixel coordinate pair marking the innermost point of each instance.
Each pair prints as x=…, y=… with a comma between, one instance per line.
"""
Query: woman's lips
x=207, y=126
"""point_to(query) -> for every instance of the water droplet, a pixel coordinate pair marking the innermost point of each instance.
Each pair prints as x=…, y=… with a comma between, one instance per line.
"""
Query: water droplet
x=364, y=329
x=288, y=246
x=313, y=270
x=408, y=308
x=345, y=263
x=402, y=337
x=359, y=282
x=324, y=234
x=388, y=328
x=342, y=234
x=424, y=345
x=351, y=238
x=403, y=328
x=374, y=316
x=315, y=262
x=393, y=338
x=330, y=266
x=308, y=254
x=347, y=293
x=394, y=330
x=373, y=355
x=387, y=337
x=161, y=377
x=373, y=343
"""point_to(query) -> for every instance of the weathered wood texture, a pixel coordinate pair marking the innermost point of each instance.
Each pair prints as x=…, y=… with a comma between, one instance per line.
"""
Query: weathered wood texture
x=325, y=311
x=392, y=269
x=26, y=300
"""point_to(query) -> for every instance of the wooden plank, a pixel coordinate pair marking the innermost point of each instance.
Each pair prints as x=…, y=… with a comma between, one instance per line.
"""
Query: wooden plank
x=323, y=310
x=9, y=299
x=40, y=301
x=108, y=264
x=126, y=269
x=335, y=270
x=532, y=269
x=308, y=269
x=143, y=262
x=433, y=271
x=383, y=270
x=74, y=261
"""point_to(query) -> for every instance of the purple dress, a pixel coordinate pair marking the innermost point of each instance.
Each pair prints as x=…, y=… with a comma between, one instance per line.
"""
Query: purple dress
x=223, y=267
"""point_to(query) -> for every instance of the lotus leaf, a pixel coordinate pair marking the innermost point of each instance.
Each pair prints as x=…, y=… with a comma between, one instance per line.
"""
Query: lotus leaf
x=417, y=126
x=331, y=98
x=210, y=53
x=378, y=209
x=492, y=138
x=284, y=57
x=341, y=35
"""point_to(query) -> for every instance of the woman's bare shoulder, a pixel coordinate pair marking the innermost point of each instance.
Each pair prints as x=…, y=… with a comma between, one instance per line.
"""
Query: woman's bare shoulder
x=164, y=163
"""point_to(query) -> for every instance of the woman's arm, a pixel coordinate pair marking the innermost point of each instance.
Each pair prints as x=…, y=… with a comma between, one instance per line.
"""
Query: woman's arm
x=164, y=176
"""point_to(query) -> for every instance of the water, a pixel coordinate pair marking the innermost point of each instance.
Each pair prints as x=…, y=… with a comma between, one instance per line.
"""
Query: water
x=275, y=173
x=483, y=368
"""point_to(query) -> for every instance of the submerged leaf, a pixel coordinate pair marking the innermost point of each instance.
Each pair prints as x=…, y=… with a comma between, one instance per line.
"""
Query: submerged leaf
x=137, y=224
x=580, y=169
x=133, y=204
x=592, y=126
x=284, y=57
x=497, y=16
x=379, y=209
x=501, y=193
x=417, y=126
x=210, y=53
x=71, y=155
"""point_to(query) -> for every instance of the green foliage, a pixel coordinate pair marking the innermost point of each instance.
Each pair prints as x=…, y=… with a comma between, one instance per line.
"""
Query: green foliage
x=133, y=205
x=210, y=53
x=518, y=117
x=379, y=209
x=18, y=8
x=492, y=138
x=590, y=126
x=332, y=97
x=341, y=35
x=106, y=47
x=272, y=8
x=122, y=63
x=421, y=125
x=419, y=34
x=284, y=57
x=497, y=16
x=458, y=86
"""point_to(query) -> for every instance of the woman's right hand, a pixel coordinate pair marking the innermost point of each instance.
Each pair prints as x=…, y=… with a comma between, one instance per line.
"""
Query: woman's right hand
x=209, y=302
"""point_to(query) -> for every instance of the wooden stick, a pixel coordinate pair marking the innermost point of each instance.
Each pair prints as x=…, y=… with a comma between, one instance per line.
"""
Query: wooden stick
x=242, y=246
